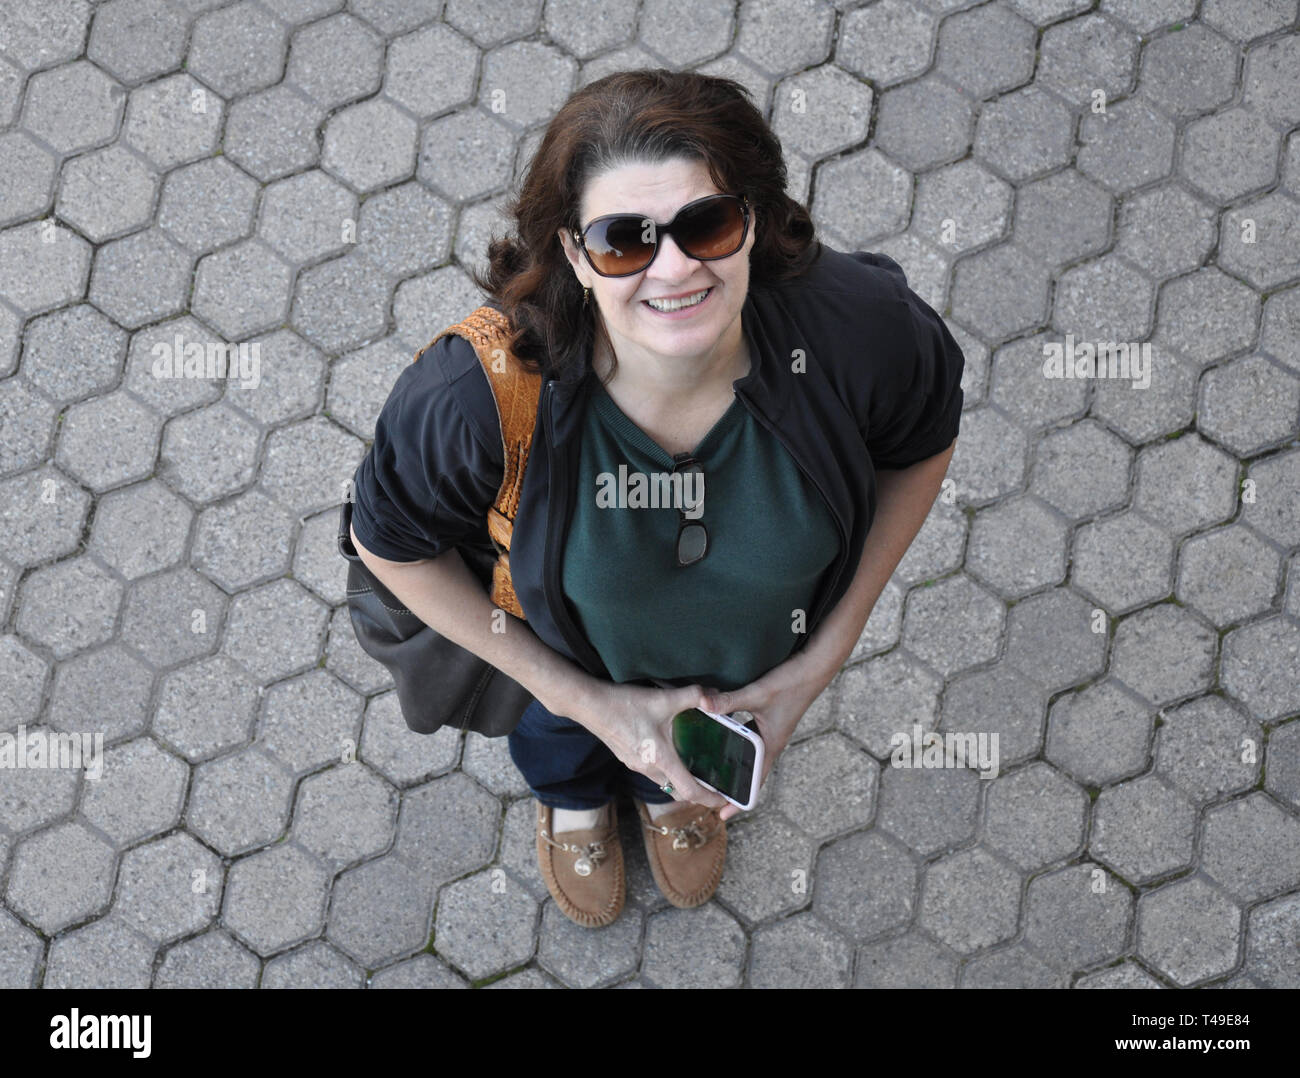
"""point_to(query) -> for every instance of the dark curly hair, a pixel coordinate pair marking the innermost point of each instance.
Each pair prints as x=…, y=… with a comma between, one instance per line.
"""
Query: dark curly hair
x=646, y=115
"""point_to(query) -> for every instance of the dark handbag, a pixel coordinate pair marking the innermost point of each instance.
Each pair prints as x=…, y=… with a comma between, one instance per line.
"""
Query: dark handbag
x=440, y=683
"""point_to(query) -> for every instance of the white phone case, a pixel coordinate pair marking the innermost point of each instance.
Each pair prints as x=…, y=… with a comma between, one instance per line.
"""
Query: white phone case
x=749, y=735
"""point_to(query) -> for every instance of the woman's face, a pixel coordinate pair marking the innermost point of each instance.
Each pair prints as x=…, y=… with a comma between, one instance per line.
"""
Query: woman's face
x=658, y=191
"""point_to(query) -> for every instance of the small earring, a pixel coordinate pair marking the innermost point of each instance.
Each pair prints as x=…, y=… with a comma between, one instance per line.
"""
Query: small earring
x=586, y=296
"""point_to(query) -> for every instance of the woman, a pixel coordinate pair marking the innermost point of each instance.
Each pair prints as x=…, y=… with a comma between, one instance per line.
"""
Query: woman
x=683, y=317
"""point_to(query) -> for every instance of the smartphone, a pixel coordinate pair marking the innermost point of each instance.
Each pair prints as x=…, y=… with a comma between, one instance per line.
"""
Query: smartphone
x=722, y=754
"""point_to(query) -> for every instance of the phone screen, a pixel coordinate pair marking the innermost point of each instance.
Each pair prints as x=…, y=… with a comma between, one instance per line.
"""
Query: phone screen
x=710, y=751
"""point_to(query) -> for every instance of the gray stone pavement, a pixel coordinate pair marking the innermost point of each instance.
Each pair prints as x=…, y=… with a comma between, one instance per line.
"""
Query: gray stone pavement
x=1110, y=582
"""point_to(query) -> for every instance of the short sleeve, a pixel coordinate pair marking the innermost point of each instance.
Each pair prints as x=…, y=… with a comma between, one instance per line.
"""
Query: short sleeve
x=428, y=480
x=916, y=403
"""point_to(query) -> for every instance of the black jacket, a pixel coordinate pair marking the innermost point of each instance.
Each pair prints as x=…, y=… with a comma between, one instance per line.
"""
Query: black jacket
x=851, y=370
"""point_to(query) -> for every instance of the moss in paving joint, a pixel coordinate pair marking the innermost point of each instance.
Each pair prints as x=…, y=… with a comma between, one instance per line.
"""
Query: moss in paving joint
x=1093, y=791
x=484, y=982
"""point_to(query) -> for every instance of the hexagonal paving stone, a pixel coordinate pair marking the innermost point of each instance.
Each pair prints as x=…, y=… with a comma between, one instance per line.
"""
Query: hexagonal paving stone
x=26, y=174
x=1035, y=816
x=1021, y=386
x=106, y=954
x=314, y=965
x=1163, y=402
x=172, y=617
x=23, y=682
x=1272, y=508
x=1282, y=778
x=22, y=951
x=929, y=809
x=423, y=840
x=370, y=145
x=1273, y=943
x=405, y=229
x=1270, y=82
x=466, y=154
x=1062, y=217
x=188, y=464
x=908, y=961
x=107, y=193
x=1188, y=931
x=431, y=70
x=1012, y=967
x=141, y=529
x=799, y=952
x=238, y=49
x=1228, y=574
x=886, y=42
x=110, y=684
x=307, y=217
x=1052, y=639
x=38, y=35
x=276, y=898
x=138, y=39
x=1087, y=54
x=1269, y=259
x=1185, y=484
x=345, y=814
x=693, y=949
x=341, y=304
x=1123, y=562
x=977, y=203
x=99, y=460
x=40, y=786
x=526, y=82
x=1258, y=666
x=81, y=334
x=1099, y=735
x=73, y=107
x=173, y=121
x=69, y=606
x=1143, y=830
x=1208, y=748
x=765, y=857
x=1000, y=291
x=822, y=111
x=397, y=753
x=169, y=888
x=484, y=930
x=1251, y=847
x=1191, y=71
x=381, y=910
x=242, y=290
x=210, y=960
x=865, y=885
x=28, y=421
x=1125, y=975
x=286, y=380
x=207, y=205
x=1229, y=154
x=1148, y=15
x=1105, y=301
x=813, y=769
x=584, y=957
x=570, y=25
x=1024, y=134
x=306, y=463
x=986, y=50
x=142, y=278
x=969, y=900
x=240, y=802
x=923, y=124
x=1165, y=230
x=336, y=60
x=425, y=971
x=52, y=531
x=273, y=133
x=310, y=720
x=839, y=207
x=1128, y=146
x=244, y=541
x=954, y=624
x=785, y=35
x=999, y=701
x=63, y=259
x=205, y=708
x=1098, y=918
x=60, y=876
x=360, y=383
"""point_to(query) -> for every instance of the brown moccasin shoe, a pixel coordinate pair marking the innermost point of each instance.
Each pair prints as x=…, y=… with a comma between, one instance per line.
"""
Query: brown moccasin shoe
x=583, y=869
x=687, y=849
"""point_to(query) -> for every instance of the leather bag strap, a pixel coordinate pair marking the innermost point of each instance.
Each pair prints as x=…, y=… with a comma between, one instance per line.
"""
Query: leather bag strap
x=516, y=391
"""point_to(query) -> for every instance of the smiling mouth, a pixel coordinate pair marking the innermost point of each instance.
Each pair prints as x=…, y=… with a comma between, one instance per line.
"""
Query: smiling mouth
x=670, y=305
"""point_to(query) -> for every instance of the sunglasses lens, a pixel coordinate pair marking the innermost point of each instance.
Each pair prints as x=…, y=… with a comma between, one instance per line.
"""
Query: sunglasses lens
x=692, y=542
x=618, y=246
x=713, y=229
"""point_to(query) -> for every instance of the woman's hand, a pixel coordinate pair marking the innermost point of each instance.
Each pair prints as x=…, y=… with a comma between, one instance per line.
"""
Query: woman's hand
x=636, y=722
x=777, y=701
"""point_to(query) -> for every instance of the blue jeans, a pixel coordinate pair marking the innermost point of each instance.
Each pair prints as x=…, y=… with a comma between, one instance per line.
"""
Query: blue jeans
x=566, y=766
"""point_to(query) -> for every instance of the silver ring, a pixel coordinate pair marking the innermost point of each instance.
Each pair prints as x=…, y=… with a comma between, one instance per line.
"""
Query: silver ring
x=667, y=787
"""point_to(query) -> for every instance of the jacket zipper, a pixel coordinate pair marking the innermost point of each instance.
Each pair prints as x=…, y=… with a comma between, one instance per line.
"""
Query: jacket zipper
x=553, y=555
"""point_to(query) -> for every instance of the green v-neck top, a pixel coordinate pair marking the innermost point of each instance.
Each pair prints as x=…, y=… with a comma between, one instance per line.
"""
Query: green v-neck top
x=727, y=619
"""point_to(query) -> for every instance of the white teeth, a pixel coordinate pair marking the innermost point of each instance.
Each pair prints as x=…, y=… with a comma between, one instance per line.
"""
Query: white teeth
x=677, y=304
